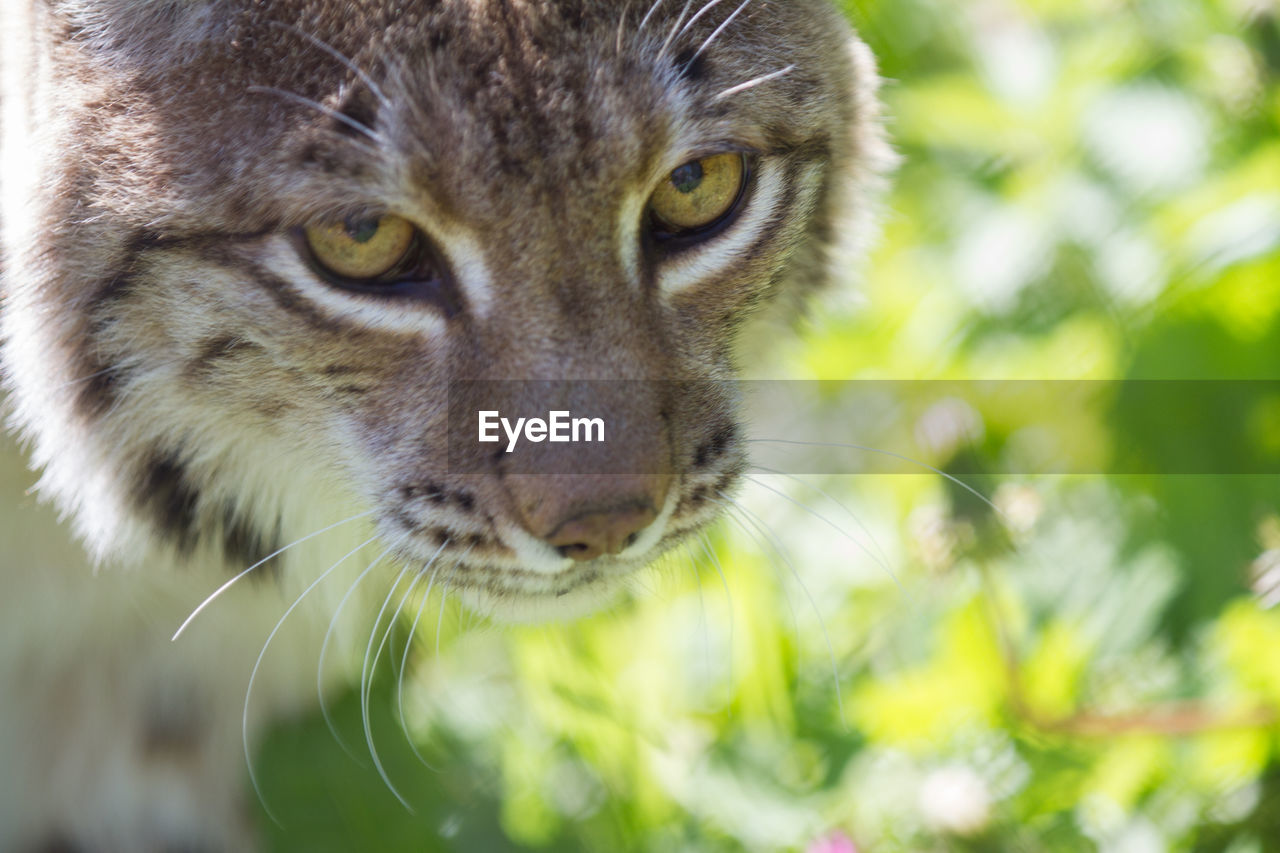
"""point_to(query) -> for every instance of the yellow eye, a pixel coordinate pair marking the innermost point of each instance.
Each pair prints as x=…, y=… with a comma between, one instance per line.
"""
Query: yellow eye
x=699, y=193
x=361, y=249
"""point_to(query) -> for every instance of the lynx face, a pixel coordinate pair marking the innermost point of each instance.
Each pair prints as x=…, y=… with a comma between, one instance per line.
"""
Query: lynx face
x=253, y=251
x=264, y=264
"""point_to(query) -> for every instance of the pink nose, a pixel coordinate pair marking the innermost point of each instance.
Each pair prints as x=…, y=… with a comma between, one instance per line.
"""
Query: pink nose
x=592, y=534
x=587, y=516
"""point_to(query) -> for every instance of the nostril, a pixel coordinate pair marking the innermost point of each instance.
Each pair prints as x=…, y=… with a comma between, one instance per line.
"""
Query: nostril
x=577, y=551
x=593, y=534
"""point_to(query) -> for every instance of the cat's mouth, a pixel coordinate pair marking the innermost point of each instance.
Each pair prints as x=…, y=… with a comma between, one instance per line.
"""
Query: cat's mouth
x=510, y=594
x=511, y=576
x=583, y=590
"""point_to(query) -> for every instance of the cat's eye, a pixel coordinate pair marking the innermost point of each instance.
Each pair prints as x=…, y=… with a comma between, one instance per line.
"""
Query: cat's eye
x=362, y=250
x=698, y=195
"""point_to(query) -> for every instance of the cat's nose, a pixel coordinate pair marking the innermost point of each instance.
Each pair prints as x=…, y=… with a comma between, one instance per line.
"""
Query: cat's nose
x=588, y=516
x=609, y=531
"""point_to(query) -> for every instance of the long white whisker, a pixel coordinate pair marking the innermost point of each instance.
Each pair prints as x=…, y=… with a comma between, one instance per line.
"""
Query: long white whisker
x=718, y=30
x=702, y=607
x=704, y=10
x=647, y=15
x=404, y=660
x=764, y=548
x=336, y=115
x=831, y=653
x=444, y=596
x=89, y=377
x=328, y=635
x=675, y=29
x=338, y=55
x=396, y=664
x=366, y=679
x=220, y=590
x=970, y=489
x=861, y=547
x=724, y=581
x=400, y=680
x=622, y=25
x=751, y=84
x=852, y=515
x=244, y=722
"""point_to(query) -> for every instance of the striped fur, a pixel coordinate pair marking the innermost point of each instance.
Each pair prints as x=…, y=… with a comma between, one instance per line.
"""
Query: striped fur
x=196, y=397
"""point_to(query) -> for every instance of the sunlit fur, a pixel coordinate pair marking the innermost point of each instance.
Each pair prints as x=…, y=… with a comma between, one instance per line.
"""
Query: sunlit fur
x=196, y=398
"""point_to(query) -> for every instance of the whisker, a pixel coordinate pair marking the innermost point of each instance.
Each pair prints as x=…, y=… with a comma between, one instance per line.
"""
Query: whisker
x=751, y=84
x=704, y=10
x=367, y=683
x=724, y=581
x=622, y=25
x=767, y=532
x=366, y=679
x=852, y=515
x=244, y=722
x=647, y=15
x=324, y=648
x=861, y=547
x=764, y=548
x=702, y=607
x=404, y=660
x=636, y=582
x=338, y=55
x=926, y=466
x=718, y=30
x=220, y=590
x=89, y=377
x=675, y=29
x=336, y=115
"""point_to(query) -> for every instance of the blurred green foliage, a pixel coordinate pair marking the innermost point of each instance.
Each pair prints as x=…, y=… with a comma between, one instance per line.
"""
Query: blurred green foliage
x=1090, y=190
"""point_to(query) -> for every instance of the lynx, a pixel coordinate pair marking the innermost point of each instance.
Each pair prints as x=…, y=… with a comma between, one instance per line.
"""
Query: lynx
x=256, y=258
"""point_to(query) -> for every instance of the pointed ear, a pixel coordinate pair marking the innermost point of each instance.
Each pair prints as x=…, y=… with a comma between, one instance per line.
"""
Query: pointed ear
x=142, y=31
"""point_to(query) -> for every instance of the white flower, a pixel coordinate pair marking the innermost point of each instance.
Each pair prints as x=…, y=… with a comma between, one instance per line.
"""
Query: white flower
x=956, y=801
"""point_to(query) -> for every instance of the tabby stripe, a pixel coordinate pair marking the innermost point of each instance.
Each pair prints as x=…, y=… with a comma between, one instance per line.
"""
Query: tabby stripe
x=783, y=212
x=290, y=300
x=165, y=495
x=97, y=380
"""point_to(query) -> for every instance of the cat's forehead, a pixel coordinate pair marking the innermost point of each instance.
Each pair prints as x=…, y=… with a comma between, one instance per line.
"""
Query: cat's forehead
x=291, y=110
x=504, y=95
x=561, y=96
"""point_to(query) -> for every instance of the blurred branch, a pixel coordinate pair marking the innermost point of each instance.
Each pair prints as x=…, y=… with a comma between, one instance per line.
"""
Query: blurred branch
x=1171, y=719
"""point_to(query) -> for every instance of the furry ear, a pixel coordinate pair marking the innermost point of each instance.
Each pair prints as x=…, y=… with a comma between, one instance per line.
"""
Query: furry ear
x=129, y=32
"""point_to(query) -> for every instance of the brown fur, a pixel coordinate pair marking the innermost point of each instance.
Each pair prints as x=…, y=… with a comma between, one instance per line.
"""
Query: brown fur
x=179, y=374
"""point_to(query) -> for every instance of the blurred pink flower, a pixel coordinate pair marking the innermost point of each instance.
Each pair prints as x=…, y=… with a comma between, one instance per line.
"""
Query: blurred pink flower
x=835, y=842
